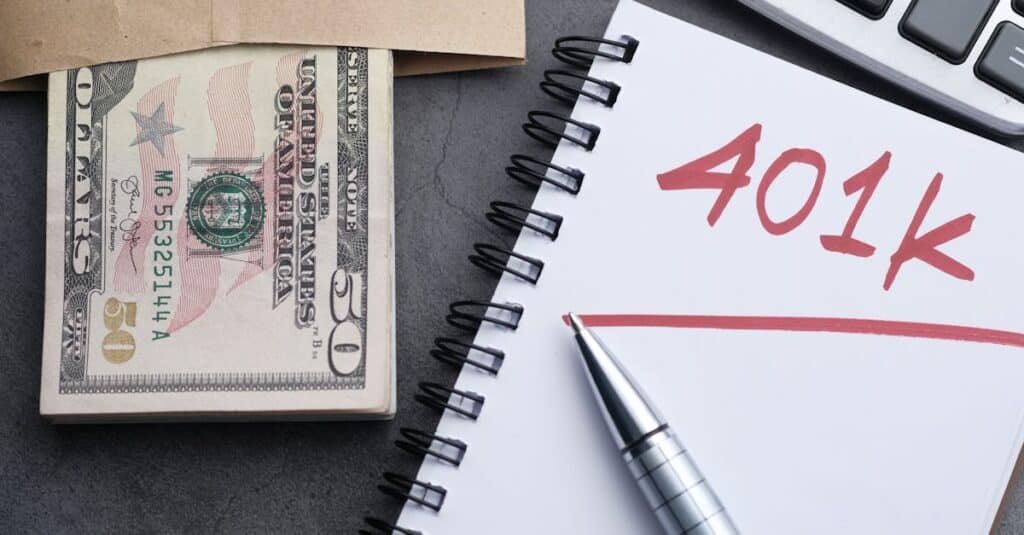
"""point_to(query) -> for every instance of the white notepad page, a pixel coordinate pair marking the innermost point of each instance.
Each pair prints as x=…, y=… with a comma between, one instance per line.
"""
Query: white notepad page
x=814, y=400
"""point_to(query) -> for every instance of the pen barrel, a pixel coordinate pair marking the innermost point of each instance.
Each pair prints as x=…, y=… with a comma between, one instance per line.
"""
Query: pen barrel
x=675, y=488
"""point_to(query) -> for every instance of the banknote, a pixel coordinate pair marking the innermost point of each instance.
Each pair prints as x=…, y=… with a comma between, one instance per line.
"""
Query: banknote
x=220, y=236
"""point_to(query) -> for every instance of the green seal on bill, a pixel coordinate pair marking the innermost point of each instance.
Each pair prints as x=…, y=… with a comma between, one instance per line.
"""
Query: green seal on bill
x=226, y=210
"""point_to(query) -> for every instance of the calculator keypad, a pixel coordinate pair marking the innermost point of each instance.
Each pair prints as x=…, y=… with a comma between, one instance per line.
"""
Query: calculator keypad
x=869, y=8
x=961, y=54
x=945, y=27
x=1002, y=62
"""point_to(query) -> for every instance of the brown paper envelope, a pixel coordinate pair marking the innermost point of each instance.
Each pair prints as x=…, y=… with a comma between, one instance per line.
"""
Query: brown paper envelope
x=406, y=64
x=39, y=36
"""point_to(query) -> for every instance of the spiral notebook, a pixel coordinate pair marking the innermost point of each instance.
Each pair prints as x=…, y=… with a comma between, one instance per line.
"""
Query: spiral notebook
x=820, y=290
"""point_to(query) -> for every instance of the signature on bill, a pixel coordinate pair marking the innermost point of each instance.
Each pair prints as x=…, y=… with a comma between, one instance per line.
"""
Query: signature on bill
x=129, y=226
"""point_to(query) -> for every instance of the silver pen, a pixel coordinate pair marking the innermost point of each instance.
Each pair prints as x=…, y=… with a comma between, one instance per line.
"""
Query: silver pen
x=673, y=485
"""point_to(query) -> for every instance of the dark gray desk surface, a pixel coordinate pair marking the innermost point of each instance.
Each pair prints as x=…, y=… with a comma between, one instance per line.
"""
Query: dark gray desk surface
x=453, y=134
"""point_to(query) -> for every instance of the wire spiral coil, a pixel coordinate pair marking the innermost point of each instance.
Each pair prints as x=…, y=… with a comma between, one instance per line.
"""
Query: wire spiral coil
x=524, y=170
x=550, y=129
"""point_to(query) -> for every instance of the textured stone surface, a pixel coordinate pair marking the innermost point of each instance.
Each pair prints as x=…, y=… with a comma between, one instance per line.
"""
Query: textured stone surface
x=453, y=134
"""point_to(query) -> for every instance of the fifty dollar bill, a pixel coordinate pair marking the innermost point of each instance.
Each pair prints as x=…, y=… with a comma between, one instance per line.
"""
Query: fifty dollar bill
x=220, y=236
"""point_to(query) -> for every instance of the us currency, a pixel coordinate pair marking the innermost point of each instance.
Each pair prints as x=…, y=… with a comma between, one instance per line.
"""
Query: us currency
x=220, y=236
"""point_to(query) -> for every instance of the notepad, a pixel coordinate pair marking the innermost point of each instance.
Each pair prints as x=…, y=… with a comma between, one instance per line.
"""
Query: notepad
x=822, y=291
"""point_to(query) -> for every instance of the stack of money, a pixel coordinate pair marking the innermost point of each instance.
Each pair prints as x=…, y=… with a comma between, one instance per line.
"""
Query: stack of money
x=220, y=237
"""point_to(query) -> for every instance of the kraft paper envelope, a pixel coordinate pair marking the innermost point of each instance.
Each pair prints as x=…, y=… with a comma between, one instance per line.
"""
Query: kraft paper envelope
x=39, y=36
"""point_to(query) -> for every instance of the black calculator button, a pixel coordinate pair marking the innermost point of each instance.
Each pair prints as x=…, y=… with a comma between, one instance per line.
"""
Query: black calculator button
x=947, y=28
x=1002, y=61
x=869, y=8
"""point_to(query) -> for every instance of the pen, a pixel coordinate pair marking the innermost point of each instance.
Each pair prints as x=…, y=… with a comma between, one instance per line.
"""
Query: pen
x=674, y=487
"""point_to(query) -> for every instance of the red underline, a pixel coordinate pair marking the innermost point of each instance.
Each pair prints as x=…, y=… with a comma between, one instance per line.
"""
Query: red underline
x=909, y=329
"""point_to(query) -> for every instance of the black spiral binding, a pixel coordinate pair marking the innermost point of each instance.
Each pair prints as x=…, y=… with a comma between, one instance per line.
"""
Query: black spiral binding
x=540, y=128
x=498, y=260
x=456, y=353
x=553, y=85
x=525, y=170
x=407, y=488
x=440, y=397
x=580, y=51
x=469, y=315
x=418, y=442
x=565, y=86
x=511, y=216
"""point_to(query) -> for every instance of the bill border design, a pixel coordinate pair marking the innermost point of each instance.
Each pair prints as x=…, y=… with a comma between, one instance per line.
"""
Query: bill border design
x=209, y=382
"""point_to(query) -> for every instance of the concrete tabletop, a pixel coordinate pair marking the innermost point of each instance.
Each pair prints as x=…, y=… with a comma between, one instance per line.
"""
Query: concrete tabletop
x=453, y=136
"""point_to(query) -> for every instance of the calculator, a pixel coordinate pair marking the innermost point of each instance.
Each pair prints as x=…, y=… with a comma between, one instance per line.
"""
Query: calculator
x=965, y=55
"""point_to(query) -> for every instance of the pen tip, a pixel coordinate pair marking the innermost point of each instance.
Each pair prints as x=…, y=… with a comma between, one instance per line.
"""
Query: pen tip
x=575, y=322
